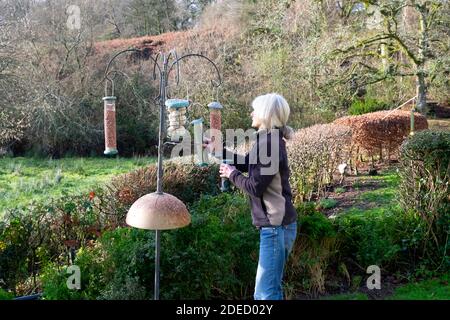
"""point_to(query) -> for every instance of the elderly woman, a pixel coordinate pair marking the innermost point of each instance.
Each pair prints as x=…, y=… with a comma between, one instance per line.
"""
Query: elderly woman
x=268, y=187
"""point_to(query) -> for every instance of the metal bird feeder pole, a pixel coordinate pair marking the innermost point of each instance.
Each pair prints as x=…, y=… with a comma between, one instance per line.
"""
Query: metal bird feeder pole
x=412, y=122
x=155, y=211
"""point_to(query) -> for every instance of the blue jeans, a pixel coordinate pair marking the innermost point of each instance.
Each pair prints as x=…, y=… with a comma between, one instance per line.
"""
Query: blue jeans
x=275, y=246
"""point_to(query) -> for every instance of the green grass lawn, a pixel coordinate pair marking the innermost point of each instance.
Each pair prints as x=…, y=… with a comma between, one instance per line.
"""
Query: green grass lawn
x=385, y=195
x=433, y=289
x=380, y=199
x=25, y=179
x=347, y=296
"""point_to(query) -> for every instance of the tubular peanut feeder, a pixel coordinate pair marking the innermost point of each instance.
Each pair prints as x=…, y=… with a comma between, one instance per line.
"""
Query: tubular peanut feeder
x=110, y=125
x=215, y=118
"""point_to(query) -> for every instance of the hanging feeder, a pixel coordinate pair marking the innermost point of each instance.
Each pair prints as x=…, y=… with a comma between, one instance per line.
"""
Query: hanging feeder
x=110, y=125
x=198, y=142
x=215, y=118
x=109, y=105
x=177, y=118
x=215, y=115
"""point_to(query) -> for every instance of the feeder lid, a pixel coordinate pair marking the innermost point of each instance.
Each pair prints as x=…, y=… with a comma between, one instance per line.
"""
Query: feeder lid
x=110, y=152
x=177, y=103
x=215, y=105
x=109, y=98
x=158, y=211
x=197, y=121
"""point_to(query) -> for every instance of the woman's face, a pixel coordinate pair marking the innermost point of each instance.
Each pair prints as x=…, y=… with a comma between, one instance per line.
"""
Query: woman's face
x=255, y=121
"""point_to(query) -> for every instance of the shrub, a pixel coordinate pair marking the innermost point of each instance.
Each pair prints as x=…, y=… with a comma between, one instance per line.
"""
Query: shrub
x=313, y=251
x=380, y=130
x=314, y=154
x=34, y=236
x=339, y=190
x=359, y=107
x=14, y=251
x=4, y=295
x=328, y=251
x=54, y=287
x=13, y=124
x=424, y=187
x=371, y=237
x=215, y=257
x=185, y=181
x=108, y=268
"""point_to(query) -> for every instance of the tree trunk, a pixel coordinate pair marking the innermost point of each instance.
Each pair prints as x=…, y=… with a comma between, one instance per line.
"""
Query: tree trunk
x=385, y=51
x=421, y=102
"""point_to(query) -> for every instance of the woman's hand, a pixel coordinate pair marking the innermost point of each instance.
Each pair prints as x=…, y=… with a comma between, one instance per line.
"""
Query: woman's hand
x=208, y=144
x=225, y=170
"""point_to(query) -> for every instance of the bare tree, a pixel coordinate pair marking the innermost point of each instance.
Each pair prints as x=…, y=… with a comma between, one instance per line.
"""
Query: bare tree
x=388, y=41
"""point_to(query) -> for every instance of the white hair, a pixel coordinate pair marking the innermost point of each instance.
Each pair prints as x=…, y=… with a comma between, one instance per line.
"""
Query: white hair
x=272, y=111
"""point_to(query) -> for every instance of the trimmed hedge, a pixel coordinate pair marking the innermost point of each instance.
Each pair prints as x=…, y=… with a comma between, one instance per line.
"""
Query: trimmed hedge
x=380, y=130
x=314, y=155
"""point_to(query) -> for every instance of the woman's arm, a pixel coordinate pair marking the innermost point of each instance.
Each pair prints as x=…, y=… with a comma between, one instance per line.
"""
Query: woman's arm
x=239, y=161
x=254, y=185
x=262, y=174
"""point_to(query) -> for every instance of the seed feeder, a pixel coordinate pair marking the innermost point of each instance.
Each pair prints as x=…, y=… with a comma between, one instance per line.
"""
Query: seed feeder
x=109, y=105
x=198, y=142
x=177, y=118
x=158, y=210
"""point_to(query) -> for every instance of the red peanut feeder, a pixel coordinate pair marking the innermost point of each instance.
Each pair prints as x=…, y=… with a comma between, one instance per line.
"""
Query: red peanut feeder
x=215, y=118
x=110, y=125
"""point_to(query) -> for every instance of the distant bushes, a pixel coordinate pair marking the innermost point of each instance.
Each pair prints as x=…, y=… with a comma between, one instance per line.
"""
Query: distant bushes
x=314, y=155
x=424, y=188
x=359, y=107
